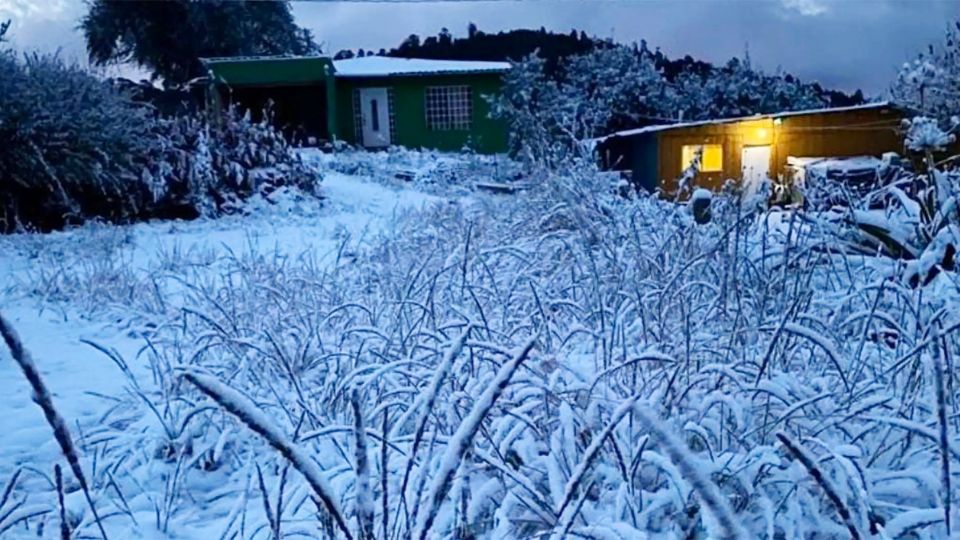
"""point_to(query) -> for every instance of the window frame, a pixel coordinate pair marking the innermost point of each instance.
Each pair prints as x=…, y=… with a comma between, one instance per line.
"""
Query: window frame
x=452, y=110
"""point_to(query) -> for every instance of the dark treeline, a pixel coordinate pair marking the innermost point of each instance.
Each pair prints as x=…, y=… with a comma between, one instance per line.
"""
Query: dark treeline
x=553, y=47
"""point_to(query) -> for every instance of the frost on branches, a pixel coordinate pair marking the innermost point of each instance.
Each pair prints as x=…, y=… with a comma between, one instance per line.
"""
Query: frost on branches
x=925, y=136
x=931, y=83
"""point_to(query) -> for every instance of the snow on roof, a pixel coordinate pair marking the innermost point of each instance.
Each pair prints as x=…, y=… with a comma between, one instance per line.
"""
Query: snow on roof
x=259, y=58
x=785, y=114
x=381, y=66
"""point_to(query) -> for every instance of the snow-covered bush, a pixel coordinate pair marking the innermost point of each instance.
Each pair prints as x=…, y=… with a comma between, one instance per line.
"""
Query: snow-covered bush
x=737, y=378
x=77, y=148
x=206, y=168
x=70, y=145
x=564, y=363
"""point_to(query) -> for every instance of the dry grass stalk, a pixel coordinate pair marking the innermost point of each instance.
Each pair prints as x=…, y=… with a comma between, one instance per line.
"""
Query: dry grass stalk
x=462, y=439
x=247, y=412
x=808, y=463
x=42, y=397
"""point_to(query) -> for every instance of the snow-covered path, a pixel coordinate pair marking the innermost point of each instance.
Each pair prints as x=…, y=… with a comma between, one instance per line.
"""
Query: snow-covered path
x=83, y=380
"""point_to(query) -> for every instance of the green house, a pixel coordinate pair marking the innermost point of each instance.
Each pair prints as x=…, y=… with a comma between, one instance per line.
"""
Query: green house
x=373, y=101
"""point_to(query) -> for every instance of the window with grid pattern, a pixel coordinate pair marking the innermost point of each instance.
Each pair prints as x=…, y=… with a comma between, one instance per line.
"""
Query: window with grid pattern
x=449, y=108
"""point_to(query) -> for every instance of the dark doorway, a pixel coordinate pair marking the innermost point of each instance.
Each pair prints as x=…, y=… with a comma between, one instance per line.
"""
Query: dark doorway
x=299, y=111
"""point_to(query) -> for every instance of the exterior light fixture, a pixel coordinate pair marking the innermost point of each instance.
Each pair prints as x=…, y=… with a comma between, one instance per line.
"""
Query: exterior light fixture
x=777, y=121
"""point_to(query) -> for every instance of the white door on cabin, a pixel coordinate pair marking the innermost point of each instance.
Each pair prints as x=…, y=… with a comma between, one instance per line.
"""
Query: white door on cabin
x=754, y=167
x=375, y=117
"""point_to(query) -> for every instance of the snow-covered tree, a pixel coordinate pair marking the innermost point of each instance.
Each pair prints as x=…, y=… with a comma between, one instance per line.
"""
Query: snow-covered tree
x=169, y=38
x=931, y=82
x=610, y=88
x=614, y=87
x=738, y=89
x=527, y=102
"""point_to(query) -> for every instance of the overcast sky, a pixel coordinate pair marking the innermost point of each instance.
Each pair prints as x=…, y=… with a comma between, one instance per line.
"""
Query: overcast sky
x=846, y=44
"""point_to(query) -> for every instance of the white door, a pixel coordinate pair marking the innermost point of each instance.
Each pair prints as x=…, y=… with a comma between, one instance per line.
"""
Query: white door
x=755, y=167
x=375, y=117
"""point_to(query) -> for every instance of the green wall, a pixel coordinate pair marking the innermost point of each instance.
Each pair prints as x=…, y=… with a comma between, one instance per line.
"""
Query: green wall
x=487, y=136
x=273, y=71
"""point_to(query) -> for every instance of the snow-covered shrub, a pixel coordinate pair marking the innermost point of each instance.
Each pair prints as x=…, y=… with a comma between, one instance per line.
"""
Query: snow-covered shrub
x=203, y=167
x=76, y=148
x=70, y=146
x=925, y=136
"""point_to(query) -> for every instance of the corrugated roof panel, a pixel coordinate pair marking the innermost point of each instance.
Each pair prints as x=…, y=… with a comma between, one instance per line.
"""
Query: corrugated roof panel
x=386, y=66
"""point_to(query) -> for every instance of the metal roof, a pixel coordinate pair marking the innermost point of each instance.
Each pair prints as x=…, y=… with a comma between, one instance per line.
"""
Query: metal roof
x=786, y=114
x=387, y=66
x=240, y=70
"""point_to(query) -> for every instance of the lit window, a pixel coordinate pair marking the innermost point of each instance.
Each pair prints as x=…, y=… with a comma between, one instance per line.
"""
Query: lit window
x=712, y=160
x=449, y=108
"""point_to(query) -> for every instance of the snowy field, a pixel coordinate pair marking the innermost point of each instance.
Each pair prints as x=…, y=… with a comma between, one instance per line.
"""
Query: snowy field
x=442, y=362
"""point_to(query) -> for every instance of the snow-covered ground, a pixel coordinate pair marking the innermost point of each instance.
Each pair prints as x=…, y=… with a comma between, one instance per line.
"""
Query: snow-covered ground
x=448, y=363
x=62, y=336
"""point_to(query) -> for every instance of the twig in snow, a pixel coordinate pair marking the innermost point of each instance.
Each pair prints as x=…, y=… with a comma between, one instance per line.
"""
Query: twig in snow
x=64, y=526
x=944, y=435
x=384, y=461
x=424, y=404
x=704, y=487
x=588, y=456
x=266, y=502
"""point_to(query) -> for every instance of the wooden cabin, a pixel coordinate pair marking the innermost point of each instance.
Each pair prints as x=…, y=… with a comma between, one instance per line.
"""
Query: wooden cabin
x=750, y=148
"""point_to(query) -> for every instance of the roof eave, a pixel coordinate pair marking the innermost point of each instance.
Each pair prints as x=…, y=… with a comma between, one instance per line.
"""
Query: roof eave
x=446, y=73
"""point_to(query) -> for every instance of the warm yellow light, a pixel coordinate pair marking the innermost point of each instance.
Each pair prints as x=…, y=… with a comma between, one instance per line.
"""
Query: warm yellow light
x=710, y=161
x=762, y=133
